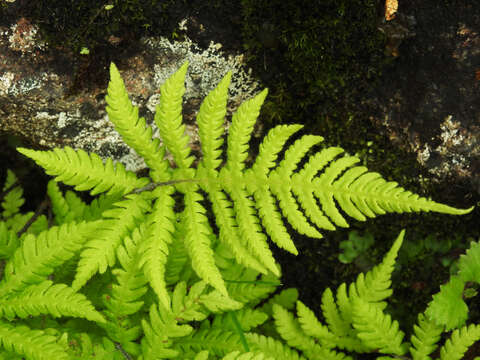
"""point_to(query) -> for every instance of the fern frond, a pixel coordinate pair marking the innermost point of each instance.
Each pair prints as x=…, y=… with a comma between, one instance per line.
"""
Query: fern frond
x=469, y=263
x=197, y=242
x=376, y=329
x=133, y=128
x=210, y=119
x=36, y=258
x=360, y=193
x=283, y=189
x=33, y=344
x=314, y=328
x=251, y=231
x=248, y=319
x=168, y=117
x=14, y=199
x=290, y=330
x=459, y=342
x=374, y=286
x=85, y=171
x=340, y=327
x=218, y=342
x=228, y=230
x=48, y=298
x=8, y=241
x=236, y=355
x=240, y=132
x=125, y=299
x=154, y=248
x=60, y=207
x=159, y=332
x=447, y=307
x=99, y=253
x=424, y=340
x=272, y=347
x=216, y=302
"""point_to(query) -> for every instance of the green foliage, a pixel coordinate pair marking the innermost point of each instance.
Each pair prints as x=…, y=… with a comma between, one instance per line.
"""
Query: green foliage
x=355, y=246
x=131, y=275
x=357, y=321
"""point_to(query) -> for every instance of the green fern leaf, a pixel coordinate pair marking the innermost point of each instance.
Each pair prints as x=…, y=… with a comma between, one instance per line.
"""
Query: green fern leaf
x=168, y=118
x=240, y=132
x=8, y=241
x=36, y=258
x=159, y=332
x=376, y=329
x=340, y=327
x=13, y=200
x=236, y=355
x=133, y=129
x=228, y=231
x=154, y=248
x=424, y=340
x=60, y=208
x=33, y=344
x=100, y=252
x=283, y=189
x=210, y=119
x=85, y=172
x=125, y=299
x=459, y=342
x=218, y=342
x=312, y=327
x=469, y=263
x=248, y=319
x=48, y=298
x=197, y=242
x=272, y=347
x=374, y=287
x=447, y=307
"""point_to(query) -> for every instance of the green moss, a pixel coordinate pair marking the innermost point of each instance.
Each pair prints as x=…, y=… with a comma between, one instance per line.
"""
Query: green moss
x=77, y=24
x=323, y=52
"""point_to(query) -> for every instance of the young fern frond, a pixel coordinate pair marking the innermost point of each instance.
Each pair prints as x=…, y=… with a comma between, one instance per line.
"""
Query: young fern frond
x=85, y=171
x=36, y=258
x=133, y=129
x=100, y=252
x=459, y=342
x=34, y=344
x=376, y=329
x=13, y=200
x=425, y=338
x=48, y=298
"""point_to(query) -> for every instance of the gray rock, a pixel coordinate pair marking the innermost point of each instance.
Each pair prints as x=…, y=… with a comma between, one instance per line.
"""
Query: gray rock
x=429, y=101
x=37, y=102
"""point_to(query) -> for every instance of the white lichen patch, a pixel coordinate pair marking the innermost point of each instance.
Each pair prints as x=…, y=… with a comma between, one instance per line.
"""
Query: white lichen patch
x=206, y=67
x=6, y=80
x=23, y=37
x=450, y=134
x=424, y=155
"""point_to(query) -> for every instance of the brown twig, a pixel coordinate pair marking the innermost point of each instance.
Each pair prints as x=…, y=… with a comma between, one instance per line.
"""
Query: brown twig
x=38, y=212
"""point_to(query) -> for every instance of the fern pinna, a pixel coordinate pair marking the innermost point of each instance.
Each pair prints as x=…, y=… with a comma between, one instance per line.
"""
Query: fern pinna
x=142, y=271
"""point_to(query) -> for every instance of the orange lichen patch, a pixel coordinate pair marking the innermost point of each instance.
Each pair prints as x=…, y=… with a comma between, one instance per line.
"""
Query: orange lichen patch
x=477, y=75
x=391, y=7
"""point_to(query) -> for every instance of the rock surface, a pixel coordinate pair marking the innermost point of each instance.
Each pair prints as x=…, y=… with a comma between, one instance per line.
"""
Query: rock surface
x=48, y=97
x=429, y=101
